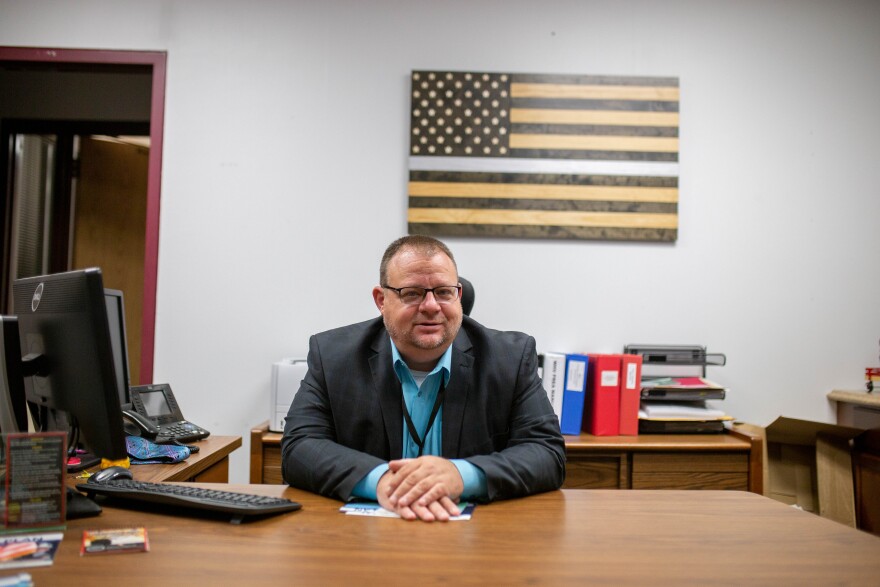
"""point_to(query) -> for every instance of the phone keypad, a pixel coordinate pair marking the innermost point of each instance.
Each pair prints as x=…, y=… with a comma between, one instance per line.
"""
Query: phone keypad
x=183, y=431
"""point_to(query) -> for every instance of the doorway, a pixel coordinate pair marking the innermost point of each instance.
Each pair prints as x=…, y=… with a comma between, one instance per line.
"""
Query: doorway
x=86, y=93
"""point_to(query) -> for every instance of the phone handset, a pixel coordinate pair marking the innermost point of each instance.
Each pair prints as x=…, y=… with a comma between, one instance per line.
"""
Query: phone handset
x=146, y=427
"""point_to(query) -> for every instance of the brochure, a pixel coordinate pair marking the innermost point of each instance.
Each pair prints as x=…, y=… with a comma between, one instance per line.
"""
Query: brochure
x=29, y=550
x=116, y=540
x=371, y=508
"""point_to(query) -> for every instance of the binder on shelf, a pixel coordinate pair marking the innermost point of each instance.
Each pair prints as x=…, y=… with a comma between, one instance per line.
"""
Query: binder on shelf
x=603, y=396
x=576, y=367
x=553, y=378
x=630, y=394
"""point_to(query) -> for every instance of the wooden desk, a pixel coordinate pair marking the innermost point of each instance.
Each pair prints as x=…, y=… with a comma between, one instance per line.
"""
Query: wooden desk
x=209, y=465
x=563, y=537
x=649, y=461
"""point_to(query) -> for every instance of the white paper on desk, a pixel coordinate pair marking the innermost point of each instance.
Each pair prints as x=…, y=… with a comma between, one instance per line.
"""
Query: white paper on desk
x=669, y=411
x=371, y=508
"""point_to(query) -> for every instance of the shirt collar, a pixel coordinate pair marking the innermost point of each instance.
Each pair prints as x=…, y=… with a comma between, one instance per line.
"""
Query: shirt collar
x=443, y=365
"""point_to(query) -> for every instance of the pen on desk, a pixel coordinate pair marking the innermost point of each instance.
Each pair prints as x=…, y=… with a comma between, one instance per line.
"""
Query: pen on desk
x=19, y=580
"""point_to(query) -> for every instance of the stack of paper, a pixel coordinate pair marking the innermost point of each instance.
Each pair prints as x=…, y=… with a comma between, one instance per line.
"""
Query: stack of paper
x=674, y=390
x=680, y=411
x=681, y=389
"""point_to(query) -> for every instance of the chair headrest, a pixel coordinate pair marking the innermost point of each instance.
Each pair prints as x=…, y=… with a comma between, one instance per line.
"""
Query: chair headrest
x=467, y=295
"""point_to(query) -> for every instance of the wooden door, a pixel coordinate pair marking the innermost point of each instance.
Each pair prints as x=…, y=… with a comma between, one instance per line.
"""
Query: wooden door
x=110, y=226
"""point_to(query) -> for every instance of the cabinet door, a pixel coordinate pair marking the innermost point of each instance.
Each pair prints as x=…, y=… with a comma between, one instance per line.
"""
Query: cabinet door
x=867, y=473
x=610, y=471
x=690, y=470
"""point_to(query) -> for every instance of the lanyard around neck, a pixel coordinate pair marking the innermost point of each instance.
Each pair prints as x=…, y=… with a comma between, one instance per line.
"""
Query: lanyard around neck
x=420, y=442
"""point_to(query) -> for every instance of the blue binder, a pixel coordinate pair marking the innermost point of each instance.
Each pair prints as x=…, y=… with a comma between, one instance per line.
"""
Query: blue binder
x=573, y=395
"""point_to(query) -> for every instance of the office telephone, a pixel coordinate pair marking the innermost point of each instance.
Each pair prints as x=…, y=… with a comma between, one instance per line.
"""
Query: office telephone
x=157, y=416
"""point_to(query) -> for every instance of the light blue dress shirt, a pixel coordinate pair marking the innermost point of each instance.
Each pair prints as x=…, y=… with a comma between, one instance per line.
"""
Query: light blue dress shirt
x=419, y=400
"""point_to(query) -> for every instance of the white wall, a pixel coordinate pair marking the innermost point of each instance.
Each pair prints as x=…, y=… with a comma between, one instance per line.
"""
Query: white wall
x=284, y=178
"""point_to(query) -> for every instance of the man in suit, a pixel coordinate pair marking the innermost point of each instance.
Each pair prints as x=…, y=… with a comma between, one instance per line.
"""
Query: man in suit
x=422, y=407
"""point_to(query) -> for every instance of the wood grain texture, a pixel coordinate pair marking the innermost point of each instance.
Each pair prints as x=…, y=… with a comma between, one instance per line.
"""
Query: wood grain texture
x=543, y=191
x=557, y=538
x=210, y=464
x=567, y=130
x=721, y=461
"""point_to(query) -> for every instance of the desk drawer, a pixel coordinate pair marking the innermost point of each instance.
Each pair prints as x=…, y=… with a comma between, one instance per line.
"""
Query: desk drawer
x=696, y=470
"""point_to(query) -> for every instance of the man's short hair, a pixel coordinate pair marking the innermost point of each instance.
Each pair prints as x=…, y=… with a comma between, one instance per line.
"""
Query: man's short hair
x=425, y=245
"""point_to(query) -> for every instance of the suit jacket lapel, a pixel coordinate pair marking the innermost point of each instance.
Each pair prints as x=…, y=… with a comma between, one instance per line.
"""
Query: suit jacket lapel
x=460, y=379
x=388, y=390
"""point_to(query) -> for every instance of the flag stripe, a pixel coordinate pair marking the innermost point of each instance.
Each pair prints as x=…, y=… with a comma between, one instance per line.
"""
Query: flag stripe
x=587, y=92
x=545, y=232
x=543, y=204
x=542, y=178
x=543, y=192
x=597, y=105
x=563, y=166
x=542, y=218
x=593, y=143
x=593, y=80
x=599, y=117
x=592, y=129
x=594, y=155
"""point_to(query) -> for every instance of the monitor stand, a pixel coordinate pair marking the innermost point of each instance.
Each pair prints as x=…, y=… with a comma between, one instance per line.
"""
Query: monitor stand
x=80, y=506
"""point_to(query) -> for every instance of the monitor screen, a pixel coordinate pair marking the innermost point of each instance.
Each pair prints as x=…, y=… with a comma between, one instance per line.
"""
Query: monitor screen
x=66, y=342
x=116, y=320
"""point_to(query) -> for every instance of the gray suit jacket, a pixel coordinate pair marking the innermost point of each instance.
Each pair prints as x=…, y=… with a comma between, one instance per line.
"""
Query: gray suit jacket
x=347, y=416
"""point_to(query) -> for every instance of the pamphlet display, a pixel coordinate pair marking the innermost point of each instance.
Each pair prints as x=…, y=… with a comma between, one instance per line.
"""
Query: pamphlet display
x=33, y=469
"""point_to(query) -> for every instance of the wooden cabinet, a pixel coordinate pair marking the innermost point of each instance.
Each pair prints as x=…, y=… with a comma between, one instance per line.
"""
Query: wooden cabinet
x=860, y=409
x=649, y=461
x=666, y=461
x=265, y=455
x=857, y=409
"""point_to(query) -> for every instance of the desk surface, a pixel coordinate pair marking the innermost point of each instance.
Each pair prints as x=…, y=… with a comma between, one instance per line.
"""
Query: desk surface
x=212, y=450
x=572, y=537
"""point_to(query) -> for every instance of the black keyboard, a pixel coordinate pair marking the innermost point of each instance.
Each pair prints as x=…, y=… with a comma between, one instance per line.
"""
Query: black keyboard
x=238, y=505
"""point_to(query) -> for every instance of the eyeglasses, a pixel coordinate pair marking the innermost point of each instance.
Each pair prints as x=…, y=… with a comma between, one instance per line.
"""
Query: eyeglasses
x=413, y=296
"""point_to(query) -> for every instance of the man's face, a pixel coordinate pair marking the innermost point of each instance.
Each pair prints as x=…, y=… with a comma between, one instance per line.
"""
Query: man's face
x=422, y=332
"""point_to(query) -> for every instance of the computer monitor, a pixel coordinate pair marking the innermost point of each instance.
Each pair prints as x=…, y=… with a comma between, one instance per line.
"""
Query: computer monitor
x=70, y=373
x=116, y=320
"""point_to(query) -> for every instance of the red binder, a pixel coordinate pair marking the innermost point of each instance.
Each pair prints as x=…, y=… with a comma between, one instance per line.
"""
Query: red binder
x=630, y=393
x=603, y=395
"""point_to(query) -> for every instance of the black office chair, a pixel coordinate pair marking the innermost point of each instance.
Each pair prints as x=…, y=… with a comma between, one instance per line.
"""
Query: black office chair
x=467, y=295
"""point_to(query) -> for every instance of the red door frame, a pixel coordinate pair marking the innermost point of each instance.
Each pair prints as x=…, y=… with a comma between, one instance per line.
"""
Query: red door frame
x=157, y=60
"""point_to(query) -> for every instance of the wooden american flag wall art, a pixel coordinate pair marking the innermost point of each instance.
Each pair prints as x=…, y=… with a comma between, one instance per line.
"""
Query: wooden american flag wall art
x=544, y=156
